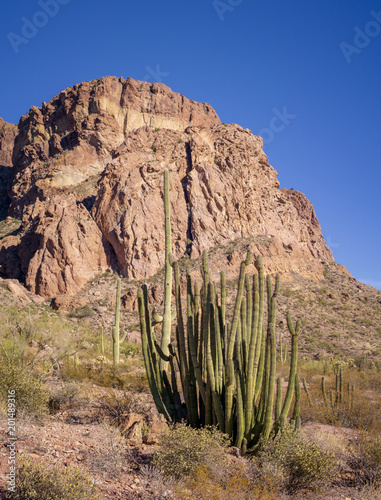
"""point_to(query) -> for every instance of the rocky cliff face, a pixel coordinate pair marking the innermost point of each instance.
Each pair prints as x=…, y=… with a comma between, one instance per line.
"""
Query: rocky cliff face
x=87, y=184
x=7, y=138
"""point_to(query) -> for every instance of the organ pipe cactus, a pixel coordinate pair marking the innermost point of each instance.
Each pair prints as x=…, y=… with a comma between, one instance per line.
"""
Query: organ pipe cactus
x=306, y=390
x=116, y=339
x=324, y=391
x=166, y=330
x=102, y=343
x=296, y=415
x=336, y=397
x=222, y=371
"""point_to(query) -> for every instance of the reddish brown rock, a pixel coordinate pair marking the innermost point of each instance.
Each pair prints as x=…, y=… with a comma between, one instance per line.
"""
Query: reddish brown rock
x=65, y=303
x=64, y=250
x=8, y=133
x=7, y=138
x=70, y=139
x=138, y=429
x=222, y=188
x=19, y=292
x=88, y=181
x=129, y=300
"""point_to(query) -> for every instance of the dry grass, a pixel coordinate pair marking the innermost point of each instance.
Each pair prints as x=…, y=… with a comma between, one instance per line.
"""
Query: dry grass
x=360, y=404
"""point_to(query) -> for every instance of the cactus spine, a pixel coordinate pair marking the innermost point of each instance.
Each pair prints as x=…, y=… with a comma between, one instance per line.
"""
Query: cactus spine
x=226, y=369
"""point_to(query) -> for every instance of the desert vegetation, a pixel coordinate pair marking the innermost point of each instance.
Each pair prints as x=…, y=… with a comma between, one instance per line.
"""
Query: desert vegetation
x=243, y=415
x=289, y=461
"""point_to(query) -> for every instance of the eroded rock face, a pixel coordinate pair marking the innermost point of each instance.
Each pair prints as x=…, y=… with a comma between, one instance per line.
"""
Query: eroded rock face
x=222, y=188
x=88, y=186
x=8, y=133
x=70, y=248
x=71, y=138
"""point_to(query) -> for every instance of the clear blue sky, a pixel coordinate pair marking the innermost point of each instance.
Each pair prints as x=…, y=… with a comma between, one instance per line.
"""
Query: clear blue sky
x=251, y=60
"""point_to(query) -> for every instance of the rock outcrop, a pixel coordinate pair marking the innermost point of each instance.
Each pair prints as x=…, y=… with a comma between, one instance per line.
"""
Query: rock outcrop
x=8, y=134
x=87, y=184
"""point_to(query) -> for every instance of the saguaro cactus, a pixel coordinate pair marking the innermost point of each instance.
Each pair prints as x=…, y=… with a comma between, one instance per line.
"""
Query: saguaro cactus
x=116, y=339
x=226, y=369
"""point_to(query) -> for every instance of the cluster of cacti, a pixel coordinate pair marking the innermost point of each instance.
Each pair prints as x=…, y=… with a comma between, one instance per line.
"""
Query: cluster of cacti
x=221, y=373
x=116, y=339
x=337, y=398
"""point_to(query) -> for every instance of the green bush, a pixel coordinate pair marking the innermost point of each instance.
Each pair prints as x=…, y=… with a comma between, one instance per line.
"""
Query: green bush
x=184, y=450
x=19, y=375
x=130, y=349
x=296, y=463
x=43, y=481
x=82, y=312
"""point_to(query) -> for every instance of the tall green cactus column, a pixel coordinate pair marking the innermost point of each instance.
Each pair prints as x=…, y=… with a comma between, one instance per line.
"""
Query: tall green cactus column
x=166, y=330
x=229, y=364
x=116, y=339
x=222, y=370
x=293, y=365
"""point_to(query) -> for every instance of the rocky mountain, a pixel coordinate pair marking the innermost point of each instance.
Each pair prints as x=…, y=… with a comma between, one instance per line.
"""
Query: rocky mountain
x=7, y=137
x=84, y=176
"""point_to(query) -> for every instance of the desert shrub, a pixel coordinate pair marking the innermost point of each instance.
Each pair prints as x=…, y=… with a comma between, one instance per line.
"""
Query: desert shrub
x=130, y=349
x=116, y=405
x=363, y=413
x=127, y=376
x=113, y=457
x=31, y=393
x=233, y=482
x=295, y=463
x=236, y=479
x=155, y=483
x=371, y=492
x=82, y=312
x=366, y=458
x=119, y=379
x=65, y=395
x=17, y=373
x=42, y=481
x=184, y=450
x=359, y=409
